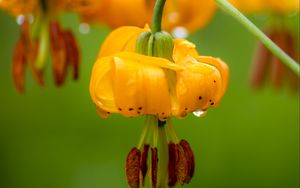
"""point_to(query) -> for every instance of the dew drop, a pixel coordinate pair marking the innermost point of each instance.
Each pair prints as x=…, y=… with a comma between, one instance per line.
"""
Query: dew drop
x=20, y=19
x=180, y=32
x=200, y=113
x=84, y=28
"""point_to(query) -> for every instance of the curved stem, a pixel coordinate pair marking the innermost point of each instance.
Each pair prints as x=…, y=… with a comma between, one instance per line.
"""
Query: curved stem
x=157, y=15
x=231, y=10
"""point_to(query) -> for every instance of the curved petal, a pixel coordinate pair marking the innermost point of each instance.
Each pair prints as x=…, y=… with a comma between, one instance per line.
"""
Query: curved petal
x=101, y=85
x=182, y=49
x=197, y=87
x=120, y=39
x=140, y=87
x=154, y=61
x=221, y=66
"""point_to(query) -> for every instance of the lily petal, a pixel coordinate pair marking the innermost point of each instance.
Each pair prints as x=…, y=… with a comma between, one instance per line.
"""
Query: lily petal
x=197, y=87
x=121, y=39
x=222, y=68
x=182, y=49
x=140, y=88
x=101, y=85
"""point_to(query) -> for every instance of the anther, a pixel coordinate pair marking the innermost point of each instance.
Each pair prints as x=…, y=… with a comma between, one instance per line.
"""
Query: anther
x=133, y=167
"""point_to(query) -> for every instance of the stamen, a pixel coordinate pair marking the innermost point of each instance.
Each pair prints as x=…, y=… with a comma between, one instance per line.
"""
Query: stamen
x=133, y=167
x=171, y=131
x=190, y=158
x=172, y=148
x=144, y=166
x=182, y=166
x=145, y=131
x=153, y=167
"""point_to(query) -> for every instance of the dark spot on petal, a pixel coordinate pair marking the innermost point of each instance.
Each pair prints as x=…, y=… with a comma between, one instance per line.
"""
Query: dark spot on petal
x=120, y=109
x=186, y=109
x=215, y=81
x=200, y=97
x=139, y=112
x=163, y=113
x=140, y=108
x=108, y=112
x=130, y=109
x=209, y=100
x=212, y=103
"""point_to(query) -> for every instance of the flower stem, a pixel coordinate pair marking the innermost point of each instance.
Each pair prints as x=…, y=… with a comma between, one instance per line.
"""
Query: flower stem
x=144, y=132
x=157, y=15
x=231, y=10
x=163, y=158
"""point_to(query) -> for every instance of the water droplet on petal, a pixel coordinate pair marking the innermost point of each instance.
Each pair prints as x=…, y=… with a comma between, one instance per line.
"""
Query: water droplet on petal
x=180, y=32
x=200, y=113
x=84, y=28
x=20, y=19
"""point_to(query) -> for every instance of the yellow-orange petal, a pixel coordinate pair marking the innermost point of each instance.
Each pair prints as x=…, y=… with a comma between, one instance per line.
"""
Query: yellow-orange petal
x=154, y=61
x=140, y=88
x=183, y=49
x=198, y=87
x=120, y=39
x=101, y=85
x=223, y=69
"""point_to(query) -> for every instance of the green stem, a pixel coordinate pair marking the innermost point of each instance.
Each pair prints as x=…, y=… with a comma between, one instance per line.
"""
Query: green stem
x=163, y=158
x=144, y=132
x=231, y=10
x=157, y=15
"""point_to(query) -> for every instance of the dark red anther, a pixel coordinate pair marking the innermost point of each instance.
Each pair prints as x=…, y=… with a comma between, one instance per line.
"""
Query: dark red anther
x=72, y=51
x=153, y=167
x=58, y=53
x=18, y=67
x=182, y=165
x=172, y=164
x=133, y=167
x=261, y=64
x=190, y=158
x=144, y=166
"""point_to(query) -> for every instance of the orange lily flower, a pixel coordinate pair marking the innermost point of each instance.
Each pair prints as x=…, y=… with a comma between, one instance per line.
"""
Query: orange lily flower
x=40, y=32
x=185, y=14
x=262, y=6
x=132, y=84
x=280, y=32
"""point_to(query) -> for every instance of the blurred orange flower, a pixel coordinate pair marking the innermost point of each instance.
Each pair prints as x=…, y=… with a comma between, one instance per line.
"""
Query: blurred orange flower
x=187, y=14
x=40, y=31
x=263, y=6
x=280, y=32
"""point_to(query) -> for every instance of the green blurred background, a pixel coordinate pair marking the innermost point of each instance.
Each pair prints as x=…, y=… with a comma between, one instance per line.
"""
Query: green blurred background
x=52, y=137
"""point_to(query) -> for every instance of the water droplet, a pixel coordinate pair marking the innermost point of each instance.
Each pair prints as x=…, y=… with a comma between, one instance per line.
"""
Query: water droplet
x=200, y=113
x=20, y=19
x=180, y=32
x=84, y=28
